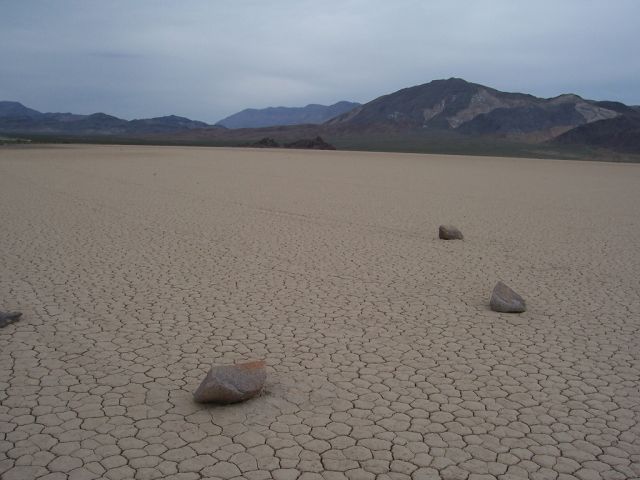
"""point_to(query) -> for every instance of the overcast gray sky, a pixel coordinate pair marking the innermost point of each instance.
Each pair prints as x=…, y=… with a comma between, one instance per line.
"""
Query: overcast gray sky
x=206, y=59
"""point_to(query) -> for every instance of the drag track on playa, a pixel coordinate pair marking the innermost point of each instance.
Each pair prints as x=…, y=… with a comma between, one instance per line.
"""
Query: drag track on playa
x=137, y=268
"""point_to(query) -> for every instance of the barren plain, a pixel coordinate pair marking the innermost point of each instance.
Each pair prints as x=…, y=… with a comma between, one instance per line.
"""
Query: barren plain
x=137, y=268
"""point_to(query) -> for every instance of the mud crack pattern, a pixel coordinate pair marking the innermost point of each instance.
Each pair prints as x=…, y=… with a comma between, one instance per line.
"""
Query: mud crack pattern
x=139, y=267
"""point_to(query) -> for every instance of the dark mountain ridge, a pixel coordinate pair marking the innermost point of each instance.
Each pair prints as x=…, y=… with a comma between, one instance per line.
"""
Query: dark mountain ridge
x=16, y=109
x=274, y=116
x=621, y=133
x=16, y=118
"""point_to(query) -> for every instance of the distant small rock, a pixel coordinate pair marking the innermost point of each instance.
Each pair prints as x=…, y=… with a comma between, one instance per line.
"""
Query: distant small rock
x=7, y=318
x=505, y=300
x=449, y=232
x=311, y=143
x=232, y=383
x=266, y=142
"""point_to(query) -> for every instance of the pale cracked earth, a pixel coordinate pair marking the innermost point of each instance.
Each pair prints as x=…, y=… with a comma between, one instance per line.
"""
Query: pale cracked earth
x=137, y=268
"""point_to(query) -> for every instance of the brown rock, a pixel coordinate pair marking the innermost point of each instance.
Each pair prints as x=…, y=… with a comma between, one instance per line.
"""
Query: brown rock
x=449, y=232
x=503, y=299
x=232, y=383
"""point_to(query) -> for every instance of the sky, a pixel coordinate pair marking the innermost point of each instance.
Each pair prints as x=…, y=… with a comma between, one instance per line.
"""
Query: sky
x=207, y=59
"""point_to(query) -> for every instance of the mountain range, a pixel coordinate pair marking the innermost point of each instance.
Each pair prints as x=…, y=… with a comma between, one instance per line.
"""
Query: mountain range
x=16, y=118
x=451, y=115
x=274, y=116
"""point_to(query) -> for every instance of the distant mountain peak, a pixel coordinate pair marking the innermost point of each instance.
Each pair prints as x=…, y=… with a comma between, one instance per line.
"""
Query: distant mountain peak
x=452, y=81
x=277, y=116
x=103, y=116
x=16, y=109
x=11, y=103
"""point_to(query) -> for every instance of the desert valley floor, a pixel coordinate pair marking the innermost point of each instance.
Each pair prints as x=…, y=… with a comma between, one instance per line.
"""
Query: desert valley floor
x=137, y=268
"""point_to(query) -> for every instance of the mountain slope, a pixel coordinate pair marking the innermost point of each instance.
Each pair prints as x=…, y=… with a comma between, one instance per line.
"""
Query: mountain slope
x=16, y=109
x=274, y=116
x=473, y=109
x=621, y=133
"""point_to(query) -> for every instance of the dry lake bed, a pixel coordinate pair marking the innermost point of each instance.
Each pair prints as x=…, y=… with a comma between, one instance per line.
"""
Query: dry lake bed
x=137, y=268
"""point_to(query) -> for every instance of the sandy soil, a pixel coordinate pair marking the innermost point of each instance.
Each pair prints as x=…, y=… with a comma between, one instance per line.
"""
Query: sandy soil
x=137, y=268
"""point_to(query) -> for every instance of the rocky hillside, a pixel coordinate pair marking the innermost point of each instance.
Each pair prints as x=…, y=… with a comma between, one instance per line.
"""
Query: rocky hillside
x=274, y=116
x=621, y=134
x=473, y=109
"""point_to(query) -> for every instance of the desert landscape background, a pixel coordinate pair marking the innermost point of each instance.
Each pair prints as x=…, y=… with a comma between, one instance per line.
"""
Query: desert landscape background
x=137, y=268
x=450, y=116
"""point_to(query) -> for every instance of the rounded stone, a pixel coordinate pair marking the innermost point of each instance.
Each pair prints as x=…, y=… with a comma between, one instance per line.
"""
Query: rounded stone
x=449, y=232
x=505, y=300
x=232, y=383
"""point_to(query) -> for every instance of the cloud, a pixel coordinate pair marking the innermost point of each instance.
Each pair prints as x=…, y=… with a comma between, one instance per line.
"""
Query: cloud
x=206, y=60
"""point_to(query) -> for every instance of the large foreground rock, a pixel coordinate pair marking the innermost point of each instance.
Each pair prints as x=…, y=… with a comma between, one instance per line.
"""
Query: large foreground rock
x=503, y=299
x=449, y=232
x=9, y=317
x=232, y=383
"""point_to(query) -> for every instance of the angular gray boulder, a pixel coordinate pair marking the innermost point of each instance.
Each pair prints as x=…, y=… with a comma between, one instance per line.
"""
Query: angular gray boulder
x=232, y=383
x=449, y=232
x=505, y=300
x=9, y=317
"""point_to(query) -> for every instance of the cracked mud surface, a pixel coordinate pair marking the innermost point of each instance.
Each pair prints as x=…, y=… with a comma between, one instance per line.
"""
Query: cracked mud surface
x=137, y=268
